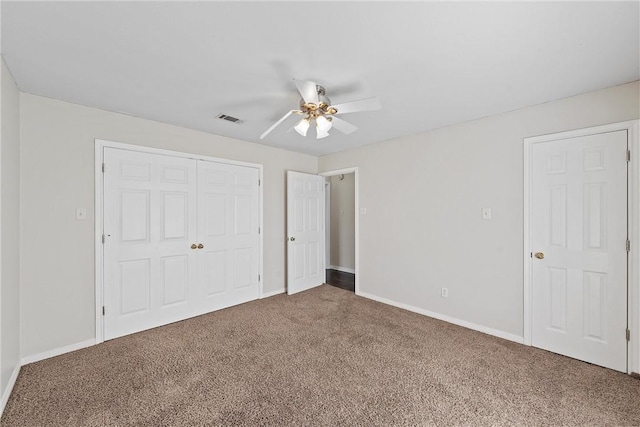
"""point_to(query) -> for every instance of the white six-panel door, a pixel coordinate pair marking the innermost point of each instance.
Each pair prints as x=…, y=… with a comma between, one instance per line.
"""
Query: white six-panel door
x=181, y=239
x=305, y=228
x=228, y=230
x=578, y=245
x=149, y=223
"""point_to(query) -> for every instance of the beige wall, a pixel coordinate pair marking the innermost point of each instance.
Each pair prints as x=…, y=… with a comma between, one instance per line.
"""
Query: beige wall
x=343, y=226
x=57, y=163
x=10, y=226
x=424, y=194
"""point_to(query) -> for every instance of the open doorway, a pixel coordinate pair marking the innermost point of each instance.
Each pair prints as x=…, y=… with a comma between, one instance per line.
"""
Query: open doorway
x=340, y=229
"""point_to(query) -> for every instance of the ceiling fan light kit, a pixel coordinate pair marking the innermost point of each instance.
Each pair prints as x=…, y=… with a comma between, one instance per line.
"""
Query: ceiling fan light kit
x=323, y=124
x=302, y=127
x=316, y=106
x=321, y=134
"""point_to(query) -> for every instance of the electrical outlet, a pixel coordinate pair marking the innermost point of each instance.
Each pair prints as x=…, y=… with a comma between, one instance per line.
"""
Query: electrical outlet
x=444, y=292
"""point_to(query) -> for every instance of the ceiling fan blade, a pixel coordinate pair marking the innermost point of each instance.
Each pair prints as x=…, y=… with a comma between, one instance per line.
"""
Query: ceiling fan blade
x=343, y=126
x=268, y=131
x=367, y=104
x=308, y=90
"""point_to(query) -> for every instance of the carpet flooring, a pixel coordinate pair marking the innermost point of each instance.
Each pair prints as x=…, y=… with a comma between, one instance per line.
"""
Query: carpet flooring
x=321, y=357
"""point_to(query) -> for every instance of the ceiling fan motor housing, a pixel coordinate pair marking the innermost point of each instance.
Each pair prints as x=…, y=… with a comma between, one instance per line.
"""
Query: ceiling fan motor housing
x=323, y=107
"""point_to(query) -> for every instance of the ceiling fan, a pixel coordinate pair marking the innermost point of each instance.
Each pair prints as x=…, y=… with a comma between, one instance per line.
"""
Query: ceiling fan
x=316, y=107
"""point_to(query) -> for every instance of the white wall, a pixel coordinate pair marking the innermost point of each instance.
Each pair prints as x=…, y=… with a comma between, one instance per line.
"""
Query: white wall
x=57, y=158
x=343, y=226
x=9, y=229
x=424, y=194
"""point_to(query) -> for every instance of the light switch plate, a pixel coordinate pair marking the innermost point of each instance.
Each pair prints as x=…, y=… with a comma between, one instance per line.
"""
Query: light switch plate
x=486, y=213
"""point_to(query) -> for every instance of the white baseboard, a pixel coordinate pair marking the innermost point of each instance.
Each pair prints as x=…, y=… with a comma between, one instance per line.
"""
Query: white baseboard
x=343, y=269
x=449, y=319
x=57, y=351
x=7, y=391
x=272, y=293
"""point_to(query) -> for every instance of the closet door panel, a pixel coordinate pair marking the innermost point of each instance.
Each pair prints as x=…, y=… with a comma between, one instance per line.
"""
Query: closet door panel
x=228, y=220
x=149, y=226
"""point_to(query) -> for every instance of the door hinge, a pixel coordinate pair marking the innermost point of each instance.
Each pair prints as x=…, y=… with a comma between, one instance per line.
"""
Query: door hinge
x=628, y=335
x=628, y=245
x=258, y=277
x=259, y=183
x=103, y=310
x=103, y=168
x=628, y=155
x=103, y=239
x=258, y=230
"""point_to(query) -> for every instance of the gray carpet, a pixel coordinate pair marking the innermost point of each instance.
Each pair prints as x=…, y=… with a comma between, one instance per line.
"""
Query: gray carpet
x=322, y=357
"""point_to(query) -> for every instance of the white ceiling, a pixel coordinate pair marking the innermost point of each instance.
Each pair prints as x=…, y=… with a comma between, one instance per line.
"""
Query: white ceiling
x=432, y=63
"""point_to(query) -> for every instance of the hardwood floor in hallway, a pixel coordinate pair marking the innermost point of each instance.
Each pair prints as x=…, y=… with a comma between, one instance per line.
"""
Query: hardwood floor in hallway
x=342, y=280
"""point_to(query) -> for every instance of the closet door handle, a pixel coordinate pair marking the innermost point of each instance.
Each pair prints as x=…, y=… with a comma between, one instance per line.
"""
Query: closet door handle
x=194, y=246
x=200, y=246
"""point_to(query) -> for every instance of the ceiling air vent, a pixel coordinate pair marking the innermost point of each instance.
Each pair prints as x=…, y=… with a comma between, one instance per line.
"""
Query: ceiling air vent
x=229, y=118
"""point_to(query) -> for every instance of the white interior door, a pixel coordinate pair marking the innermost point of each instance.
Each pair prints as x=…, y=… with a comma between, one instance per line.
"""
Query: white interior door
x=181, y=238
x=305, y=231
x=228, y=230
x=149, y=225
x=579, y=256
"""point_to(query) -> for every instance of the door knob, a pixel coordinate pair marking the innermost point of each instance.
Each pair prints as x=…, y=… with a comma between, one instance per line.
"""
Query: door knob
x=539, y=255
x=200, y=246
x=194, y=246
x=292, y=238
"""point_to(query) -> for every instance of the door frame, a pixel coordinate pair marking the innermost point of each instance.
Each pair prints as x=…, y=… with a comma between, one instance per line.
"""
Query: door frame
x=353, y=170
x=633, y=197
x=327, y=224
x=100, y=145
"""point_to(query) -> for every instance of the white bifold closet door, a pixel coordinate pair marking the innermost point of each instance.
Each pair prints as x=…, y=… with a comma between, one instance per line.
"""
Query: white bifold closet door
x=181, y=239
